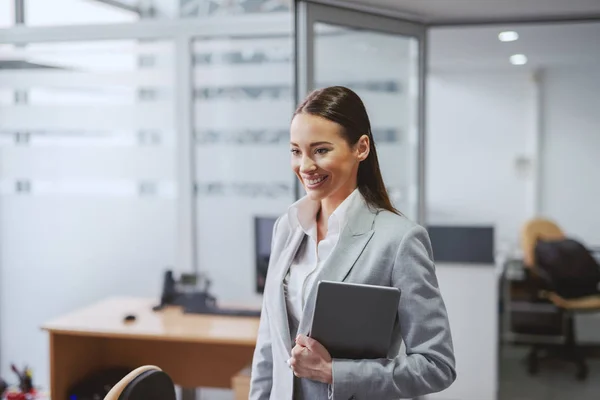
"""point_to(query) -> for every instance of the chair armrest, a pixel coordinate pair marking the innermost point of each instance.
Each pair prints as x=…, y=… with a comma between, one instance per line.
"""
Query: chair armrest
x=582, y=303
x=116, y=390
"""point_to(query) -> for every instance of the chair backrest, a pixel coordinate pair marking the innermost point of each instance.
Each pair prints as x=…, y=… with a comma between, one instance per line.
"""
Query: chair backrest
x=534, y=230
x=568, y=267
x=143, y=383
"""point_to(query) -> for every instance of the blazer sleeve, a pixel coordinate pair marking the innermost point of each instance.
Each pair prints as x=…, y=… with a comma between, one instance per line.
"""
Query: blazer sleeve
x=261, y=378
x=429, y=364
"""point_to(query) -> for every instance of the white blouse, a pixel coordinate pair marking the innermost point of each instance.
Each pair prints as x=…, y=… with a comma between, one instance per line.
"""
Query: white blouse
x=311, y=256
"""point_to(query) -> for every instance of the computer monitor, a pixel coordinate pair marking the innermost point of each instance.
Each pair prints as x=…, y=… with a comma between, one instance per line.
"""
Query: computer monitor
x=263, y=232
x=462, y=244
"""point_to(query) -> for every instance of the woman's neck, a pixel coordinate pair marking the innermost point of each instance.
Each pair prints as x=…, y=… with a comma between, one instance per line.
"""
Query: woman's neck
x=330, y=203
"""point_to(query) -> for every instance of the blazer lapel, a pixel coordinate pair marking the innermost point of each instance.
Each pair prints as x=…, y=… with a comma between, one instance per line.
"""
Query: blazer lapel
x=353, y=240
x=286, y=258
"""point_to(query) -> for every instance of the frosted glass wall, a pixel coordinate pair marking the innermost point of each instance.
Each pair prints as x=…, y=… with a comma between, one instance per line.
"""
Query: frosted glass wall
x=243, y=103
x=87, y=182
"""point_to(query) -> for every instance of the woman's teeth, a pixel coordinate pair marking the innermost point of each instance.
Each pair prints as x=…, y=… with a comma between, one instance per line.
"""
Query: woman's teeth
x=315, y=181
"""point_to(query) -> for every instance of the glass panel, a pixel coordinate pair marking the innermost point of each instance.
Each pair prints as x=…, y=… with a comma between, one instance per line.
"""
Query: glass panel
x=243, y=102
x=87, y=179
x=75, y=12
x=80, y=12
x=7, y=14
x=210, y=8
x=383, y=70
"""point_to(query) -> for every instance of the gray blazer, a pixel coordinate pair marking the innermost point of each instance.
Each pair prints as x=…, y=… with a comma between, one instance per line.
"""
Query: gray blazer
x=376, y=247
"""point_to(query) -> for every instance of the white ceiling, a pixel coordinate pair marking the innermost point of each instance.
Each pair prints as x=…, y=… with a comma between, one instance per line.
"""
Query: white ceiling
x=452, y=11
x=545, y=45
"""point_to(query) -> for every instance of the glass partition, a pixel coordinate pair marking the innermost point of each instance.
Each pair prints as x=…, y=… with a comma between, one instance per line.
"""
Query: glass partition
x=243, y=103
x=382, y=60
x=384, y=74
x=87, y=179
x=78, y=12
x=7, y=13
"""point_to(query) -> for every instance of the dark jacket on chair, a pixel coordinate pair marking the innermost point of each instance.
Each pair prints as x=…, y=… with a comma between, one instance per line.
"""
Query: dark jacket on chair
x=568, y=268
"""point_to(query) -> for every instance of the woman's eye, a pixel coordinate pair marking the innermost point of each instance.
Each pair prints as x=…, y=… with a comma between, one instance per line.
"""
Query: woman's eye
x=321, y=151
x=295, y=151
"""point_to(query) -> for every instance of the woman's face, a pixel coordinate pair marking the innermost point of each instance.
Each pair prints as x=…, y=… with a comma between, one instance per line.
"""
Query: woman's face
x=321, y=158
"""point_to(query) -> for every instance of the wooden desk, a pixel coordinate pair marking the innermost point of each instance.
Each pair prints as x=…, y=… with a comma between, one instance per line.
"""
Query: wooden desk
x=195, y=350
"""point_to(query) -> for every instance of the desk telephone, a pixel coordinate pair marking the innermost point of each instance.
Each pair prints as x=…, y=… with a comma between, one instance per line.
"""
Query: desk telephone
x=186, y=293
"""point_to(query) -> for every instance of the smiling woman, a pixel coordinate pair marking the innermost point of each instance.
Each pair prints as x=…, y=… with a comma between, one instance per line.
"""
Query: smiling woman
x=345, y=229
x=331, y=137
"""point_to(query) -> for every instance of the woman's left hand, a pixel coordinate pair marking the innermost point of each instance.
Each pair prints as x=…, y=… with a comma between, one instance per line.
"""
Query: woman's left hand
x=311, y=360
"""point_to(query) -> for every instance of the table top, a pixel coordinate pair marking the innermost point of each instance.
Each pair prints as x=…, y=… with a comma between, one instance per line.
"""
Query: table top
x=106, y=319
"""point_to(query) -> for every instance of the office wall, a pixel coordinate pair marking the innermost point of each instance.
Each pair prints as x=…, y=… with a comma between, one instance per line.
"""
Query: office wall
x=571, y=144
x=477, y=128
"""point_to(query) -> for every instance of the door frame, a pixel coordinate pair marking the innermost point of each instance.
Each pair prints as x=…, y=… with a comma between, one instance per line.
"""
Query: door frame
x=308, y=13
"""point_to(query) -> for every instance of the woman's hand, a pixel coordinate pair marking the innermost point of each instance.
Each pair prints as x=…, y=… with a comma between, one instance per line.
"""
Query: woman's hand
x=311, y=360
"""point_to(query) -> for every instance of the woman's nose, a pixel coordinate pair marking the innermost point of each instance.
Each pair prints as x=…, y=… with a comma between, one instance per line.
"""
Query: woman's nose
x=307, y=164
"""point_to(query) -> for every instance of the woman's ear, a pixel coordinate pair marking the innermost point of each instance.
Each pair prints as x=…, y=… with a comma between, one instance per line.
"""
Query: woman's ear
x=363, y=147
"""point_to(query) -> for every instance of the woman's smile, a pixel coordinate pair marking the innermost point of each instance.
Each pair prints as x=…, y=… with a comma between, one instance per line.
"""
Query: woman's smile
x=314, y=182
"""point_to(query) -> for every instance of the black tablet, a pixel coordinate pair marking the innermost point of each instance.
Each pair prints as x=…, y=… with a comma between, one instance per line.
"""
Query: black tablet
x=355, y=321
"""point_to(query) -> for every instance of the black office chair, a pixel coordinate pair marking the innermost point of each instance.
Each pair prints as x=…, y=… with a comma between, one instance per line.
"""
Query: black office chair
x=563, y=273
x=143, y=383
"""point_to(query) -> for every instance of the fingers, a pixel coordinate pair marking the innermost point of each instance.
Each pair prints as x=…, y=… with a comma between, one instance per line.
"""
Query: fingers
x=313, y=346
x=298, y=350
x=298, y=353
x=302, y=361
x=297, y=368
x=306, y=341
x=309, y=365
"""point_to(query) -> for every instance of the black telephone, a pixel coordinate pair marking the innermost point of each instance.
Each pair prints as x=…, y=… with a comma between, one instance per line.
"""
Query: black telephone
x=193, y=300
x=169, y=292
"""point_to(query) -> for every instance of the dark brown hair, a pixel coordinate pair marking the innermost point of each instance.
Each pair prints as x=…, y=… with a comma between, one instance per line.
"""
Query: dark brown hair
x=342, y=106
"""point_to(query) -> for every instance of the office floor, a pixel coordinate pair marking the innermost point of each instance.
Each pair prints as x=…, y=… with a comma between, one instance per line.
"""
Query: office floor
x=555, y=381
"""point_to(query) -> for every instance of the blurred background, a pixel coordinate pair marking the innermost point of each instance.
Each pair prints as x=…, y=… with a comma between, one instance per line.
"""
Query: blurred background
x=139, y=136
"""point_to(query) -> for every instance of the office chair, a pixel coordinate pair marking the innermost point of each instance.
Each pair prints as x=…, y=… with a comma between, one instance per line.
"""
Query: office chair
x=143, y=383
x=534, y=230
x=546, y=230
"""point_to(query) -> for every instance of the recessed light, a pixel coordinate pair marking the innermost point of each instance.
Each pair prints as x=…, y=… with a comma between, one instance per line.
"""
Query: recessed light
x=518, y=59
x=508, y=36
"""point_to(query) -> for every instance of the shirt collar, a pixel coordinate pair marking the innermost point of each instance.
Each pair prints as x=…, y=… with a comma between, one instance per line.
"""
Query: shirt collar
x=303, y=213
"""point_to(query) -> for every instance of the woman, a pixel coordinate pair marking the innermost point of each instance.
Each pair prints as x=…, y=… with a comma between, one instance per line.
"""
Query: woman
x=346, y=229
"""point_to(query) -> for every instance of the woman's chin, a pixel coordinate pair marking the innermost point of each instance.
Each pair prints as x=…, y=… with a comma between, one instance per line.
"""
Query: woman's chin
x=315, y=194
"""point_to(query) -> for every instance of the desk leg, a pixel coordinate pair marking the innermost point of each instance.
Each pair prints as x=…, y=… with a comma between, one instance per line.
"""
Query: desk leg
x=188, y=394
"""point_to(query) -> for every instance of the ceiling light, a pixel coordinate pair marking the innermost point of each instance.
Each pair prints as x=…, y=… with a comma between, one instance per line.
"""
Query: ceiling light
x=508, y=36
x=518, y=59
